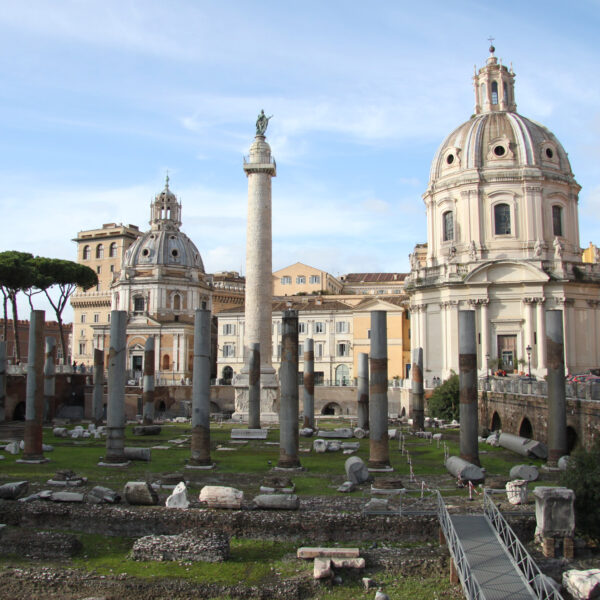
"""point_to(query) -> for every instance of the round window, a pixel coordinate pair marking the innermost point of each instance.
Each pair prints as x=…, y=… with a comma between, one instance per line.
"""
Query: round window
x=174, y=252
x=499, y=151
x=450, y=159
x=549, y=152
x=145, y=252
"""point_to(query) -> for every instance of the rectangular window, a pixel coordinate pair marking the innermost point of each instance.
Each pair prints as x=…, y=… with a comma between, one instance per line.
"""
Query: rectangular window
x=138, y=304
x=286, y=280
x=108, y=317
x=83, y=318
x=82, y=334
x=301, y=327
x=301, y=279
x=300, y=351
x=341, y=327
x=502, y=219
x=112, y=268
x=557, y=220
x=318, y=350
x=228, y=329
x=319, y=378
x=98, y=287
x=343, y=349
x=448, y=224
x=96, y=318
x=82, y=348
x=314, y=279
x=319, y=327
x=98, y=269
x=368, y=334
x=228, y=350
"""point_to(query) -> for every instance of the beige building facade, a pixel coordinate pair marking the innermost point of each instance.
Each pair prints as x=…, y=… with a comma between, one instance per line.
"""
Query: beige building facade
x=302, y=279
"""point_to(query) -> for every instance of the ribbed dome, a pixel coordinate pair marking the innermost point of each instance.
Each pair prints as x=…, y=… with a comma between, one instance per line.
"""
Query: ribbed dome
x=163, y=247
x=499, y=140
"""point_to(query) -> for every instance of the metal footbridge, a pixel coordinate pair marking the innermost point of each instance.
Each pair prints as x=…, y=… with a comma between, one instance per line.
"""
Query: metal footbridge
x=491, y=562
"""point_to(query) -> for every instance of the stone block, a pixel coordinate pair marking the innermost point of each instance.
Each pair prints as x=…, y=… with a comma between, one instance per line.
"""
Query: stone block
x=218, y=496
x=347, y=487
x=306, y=432
x=13, y=490
x=348, y=563
x=12, y=448
x=377, y=505
x=582, y=584
x=99, y=494
x=309, y=552
x=563, y=462
x=277, y=501
x=353, y=446
x=60, y=432
x=554, y=511
x=341, y=432
x=527, y=472
x=464, y=470
x=322, y=568
x=178, y=499
x=320, y=446
x=516, y=491
x=147, y=430
x=356, y=470
x=133, y=453
x=360, y=433
x=140, y=492
x=249, y=434
x=67, y=497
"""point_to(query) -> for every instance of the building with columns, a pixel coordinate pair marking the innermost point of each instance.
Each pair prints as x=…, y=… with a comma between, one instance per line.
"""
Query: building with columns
x=502, y=240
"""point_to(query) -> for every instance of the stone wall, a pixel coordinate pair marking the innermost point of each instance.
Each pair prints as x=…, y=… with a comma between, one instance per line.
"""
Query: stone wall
x=583, y=416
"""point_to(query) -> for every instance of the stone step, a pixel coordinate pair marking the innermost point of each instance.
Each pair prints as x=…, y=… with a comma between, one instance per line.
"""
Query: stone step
x=308, y=552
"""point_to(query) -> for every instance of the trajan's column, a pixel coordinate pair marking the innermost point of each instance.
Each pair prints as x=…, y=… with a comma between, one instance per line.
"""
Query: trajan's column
x=259, y=168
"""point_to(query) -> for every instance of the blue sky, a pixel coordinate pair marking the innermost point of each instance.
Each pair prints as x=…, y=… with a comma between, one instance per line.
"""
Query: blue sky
x=100, y=98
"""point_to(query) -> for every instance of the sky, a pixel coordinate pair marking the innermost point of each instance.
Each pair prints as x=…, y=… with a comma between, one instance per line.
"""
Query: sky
x=100, y=98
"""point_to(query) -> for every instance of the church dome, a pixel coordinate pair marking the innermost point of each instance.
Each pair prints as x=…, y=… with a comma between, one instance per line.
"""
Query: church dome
x=497, y=138
x=164, y=244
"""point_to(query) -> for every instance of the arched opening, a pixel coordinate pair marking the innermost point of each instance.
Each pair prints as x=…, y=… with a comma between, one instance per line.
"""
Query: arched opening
x=87, y=253
x=526, y=430
x=496, y=422
x=342, y=375
x=19, y=412
x=494, y=92
x=176, y=302
x=571, y=439
x=166, y=362
x=99, y=251
x=162, y=408
x=214, y=408
x=112, y=250
x=332, y=408
x=227, y=375
x=403, y=412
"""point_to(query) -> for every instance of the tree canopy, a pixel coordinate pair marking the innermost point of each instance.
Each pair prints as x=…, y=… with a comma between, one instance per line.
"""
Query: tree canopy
x=444, y=402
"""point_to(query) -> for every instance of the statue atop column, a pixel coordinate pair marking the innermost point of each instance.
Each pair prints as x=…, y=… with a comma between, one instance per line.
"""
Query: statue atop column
x=262, y=123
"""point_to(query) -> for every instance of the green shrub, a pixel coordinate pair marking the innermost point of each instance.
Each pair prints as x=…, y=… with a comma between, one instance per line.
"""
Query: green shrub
x=444, y=402
x=583, y=477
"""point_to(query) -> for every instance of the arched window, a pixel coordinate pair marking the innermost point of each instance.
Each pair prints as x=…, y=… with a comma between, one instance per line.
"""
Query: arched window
x=494, y=92
x=87, y=253
x=502, y=219
x=99, y=251
x=557, y=228
x=176, y=302
x=166, y=362
x=448, y=225
x=112, y=251
x=342, y=375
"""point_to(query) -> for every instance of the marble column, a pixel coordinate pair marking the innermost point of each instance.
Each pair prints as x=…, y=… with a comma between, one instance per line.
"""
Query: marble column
x=148, y=382
x=49, y=375
x=115, y=410
x=541, y=337
x=98, y=393
x=467, y=360
x=485, y=335
x=308, y=407
x=363, y=391
x=2, y=381
x=379, y=452
x=254, y=386
x=201, y=391
x=34, y=396
x=289, y=409
x=417, y=393
x=557, y=401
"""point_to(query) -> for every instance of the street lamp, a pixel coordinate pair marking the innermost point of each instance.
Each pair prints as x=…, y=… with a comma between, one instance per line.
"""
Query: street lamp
x=487, y=365
x=528, y=350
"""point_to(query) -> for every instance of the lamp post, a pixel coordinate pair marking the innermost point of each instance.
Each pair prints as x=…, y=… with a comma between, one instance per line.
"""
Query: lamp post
x=487, y=365
x=528, y=350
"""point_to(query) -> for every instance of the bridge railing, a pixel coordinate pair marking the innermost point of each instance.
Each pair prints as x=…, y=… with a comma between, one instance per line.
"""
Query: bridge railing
x=536, y=580
x=469, y=584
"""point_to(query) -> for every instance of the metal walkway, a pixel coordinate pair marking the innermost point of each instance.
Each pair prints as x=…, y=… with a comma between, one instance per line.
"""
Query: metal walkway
x=489, y=560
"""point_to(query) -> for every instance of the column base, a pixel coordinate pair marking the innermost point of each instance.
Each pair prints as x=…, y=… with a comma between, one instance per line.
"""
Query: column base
x=119, y=465
x=33, y=460
x=207, y=467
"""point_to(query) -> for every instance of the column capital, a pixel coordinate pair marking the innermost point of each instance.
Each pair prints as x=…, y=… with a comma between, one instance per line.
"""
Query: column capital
x=479, y=301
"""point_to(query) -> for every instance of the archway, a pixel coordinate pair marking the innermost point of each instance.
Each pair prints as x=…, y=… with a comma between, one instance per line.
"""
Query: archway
x=331, y=408
x=227, y=374
x=571, y=439
x=19, y=412
x=526, y=430
x=162, y=408
x=214, y=407
x=496, y=422
x=342, y=375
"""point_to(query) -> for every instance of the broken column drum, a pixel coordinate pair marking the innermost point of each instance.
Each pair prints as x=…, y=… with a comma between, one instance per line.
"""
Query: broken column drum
x=201, y=390
x=288, y=374
x=49, y=375
x=557, y=402
x=254, y=386
x=34, y=398
x=308, y=406
x=467, y=367
x=148, y=382
x=98, y=393
x=379, y=452
x=363, y=391
x=115, y=410
x=417, y=393
x=2, y=381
